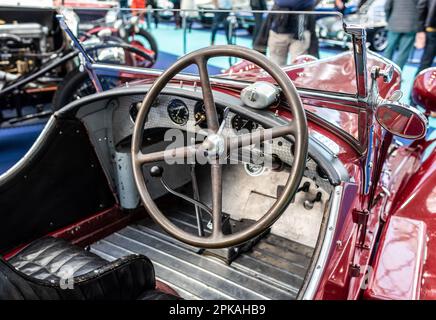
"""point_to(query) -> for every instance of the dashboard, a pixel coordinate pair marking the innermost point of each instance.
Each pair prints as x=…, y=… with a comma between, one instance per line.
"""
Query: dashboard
x=187, y=114
x=110, y=119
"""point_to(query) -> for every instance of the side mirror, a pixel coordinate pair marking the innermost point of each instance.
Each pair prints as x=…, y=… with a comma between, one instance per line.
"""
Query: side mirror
x=401, y=120
x=424, y=90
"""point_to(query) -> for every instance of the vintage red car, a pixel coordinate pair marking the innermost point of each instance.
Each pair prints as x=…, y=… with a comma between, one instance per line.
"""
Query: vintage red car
x=260, y=183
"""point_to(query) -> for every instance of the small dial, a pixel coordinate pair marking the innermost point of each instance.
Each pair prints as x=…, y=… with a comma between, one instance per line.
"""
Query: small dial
x=239, y=123
x=200, y=114
x=178, y=112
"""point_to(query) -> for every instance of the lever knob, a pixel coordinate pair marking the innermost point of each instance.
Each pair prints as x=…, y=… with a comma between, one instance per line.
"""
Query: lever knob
x=156, y=171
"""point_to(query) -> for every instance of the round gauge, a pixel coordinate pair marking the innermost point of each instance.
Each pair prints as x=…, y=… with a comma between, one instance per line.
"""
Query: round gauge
x=200, y=114
x=178, y=112
x=254, y=170
x=239, y=123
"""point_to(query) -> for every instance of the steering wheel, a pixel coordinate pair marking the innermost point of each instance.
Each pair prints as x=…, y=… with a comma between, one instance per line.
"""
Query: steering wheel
x=216, y=144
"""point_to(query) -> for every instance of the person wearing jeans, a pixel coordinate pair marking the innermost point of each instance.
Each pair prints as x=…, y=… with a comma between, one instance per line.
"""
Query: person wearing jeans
x=289, y=33
x=402, y=16
x=258, y=17
x=221, y=18
x=426, y=37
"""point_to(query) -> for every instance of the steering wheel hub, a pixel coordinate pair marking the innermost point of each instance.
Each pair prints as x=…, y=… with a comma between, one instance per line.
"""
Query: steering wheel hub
x=214, y=146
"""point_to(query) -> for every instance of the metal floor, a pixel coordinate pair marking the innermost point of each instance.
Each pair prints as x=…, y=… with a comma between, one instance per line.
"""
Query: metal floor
x=273, y=269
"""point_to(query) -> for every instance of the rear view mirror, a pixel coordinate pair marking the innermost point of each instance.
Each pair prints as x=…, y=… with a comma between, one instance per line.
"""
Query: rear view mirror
x=401, y=120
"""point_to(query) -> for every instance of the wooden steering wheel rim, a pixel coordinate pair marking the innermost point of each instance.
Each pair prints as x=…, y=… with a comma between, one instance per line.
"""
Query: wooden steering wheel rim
x=298, y=128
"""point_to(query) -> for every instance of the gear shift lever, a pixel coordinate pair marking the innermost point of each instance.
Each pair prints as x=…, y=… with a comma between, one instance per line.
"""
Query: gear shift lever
x=157, y=172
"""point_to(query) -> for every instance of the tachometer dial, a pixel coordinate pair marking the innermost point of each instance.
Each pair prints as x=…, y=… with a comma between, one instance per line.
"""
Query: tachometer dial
x=178, y=112
x=239, y=123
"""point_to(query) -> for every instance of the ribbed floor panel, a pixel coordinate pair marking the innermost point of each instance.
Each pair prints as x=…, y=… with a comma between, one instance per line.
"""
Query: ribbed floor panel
x=273, y=269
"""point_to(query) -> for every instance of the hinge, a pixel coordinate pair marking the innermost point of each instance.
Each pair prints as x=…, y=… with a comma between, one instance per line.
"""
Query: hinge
x=360, y=216
x=355, y=270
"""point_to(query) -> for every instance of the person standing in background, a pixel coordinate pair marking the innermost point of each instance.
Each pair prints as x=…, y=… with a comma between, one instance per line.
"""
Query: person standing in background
x=426, y=37
x=258, y=17
x=314, y=41
x=177, y=18
x=401, y=16
x=124, y=5
x=188, y=12
x=289, y=34
x=221, y=18
x=152, y=4
x=138, y=7
x=340, y=5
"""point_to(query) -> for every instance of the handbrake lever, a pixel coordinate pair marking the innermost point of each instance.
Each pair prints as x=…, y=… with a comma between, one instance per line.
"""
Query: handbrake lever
x=157, y=172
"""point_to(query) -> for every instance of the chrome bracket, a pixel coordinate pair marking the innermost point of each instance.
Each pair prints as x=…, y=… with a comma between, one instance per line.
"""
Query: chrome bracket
x=358, y=36
x=85, y=59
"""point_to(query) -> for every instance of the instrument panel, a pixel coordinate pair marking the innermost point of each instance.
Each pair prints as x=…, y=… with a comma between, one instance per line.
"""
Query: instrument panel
x=174, y=112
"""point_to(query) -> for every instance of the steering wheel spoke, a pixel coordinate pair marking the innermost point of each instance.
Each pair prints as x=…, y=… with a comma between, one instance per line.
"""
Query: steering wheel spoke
x=209, y=103
x=217, y=199
x=174, y=154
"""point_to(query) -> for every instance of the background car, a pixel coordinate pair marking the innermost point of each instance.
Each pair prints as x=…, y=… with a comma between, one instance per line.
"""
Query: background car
x=329, y=5
x=371, y=15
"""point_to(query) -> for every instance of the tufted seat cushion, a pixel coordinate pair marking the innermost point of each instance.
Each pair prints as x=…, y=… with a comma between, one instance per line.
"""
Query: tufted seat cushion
x=51, y=258
x=54, y=269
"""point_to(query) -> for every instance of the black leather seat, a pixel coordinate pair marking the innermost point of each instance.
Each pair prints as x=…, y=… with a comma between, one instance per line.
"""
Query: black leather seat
x=54, y=269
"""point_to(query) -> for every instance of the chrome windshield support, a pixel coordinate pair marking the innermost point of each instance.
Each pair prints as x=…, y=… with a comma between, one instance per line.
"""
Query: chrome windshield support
x=358, y=35
x=85, y=59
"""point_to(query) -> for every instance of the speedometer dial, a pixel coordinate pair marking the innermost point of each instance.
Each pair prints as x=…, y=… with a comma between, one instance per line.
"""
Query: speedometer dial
x=178, y=112
x=239, y=123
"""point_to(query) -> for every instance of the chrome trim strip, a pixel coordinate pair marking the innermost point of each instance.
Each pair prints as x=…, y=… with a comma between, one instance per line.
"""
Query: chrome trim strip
x=17, y=167
x=358, y=34
x=218, y=81
x=327, y=243
x=152, y=10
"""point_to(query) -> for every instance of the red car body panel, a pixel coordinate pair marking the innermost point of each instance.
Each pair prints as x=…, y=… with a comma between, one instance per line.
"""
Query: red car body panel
x=399, y=261
x=416, y=199
x=318, y=75
x=424, y=89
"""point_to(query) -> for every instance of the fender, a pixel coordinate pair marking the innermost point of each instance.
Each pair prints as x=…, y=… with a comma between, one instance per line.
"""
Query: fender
x=415, y=203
